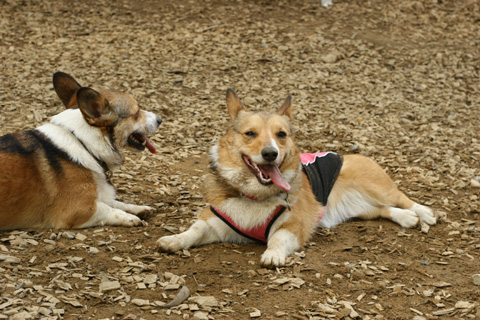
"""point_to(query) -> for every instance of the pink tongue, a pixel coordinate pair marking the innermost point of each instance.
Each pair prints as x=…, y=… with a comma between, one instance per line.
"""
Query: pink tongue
x=277, y=177
x=149, y=146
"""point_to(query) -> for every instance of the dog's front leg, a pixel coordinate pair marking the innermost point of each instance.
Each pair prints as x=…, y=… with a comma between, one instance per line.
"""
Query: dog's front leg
x=281, y=244
x=132, y=208
x=199, y=233
x=106, y=215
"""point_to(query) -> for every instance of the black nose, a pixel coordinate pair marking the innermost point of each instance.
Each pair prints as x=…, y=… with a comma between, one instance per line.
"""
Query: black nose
x=159, y=120
x=269, y=153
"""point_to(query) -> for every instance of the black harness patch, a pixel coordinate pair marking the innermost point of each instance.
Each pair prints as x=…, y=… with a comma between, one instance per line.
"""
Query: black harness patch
x=322, y=170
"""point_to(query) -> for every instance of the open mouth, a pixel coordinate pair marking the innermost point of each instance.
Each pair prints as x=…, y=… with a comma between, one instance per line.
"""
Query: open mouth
x=138, y=141
x=267, y=174
x=259, y=171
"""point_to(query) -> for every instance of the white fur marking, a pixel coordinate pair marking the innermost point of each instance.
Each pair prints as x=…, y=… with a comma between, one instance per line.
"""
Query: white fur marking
x=149, y=126
x=275, y=145
x=250, y=213
x=107, y=215
x=424, y=213
x=346, y=206
x=405, y=218
x=199, y=233
x=68, y=127
x=280, y=245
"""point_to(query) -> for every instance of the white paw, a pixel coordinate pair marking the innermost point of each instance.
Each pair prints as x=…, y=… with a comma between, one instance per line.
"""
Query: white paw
x=405, y=218
x=171, y=243
x=273, y=257
x=425, y=213
x=129, y=220
x=137, y=209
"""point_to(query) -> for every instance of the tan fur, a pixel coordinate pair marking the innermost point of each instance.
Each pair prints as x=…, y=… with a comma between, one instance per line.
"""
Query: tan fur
x=362, y=189
x=364, y=174
x=303, y=223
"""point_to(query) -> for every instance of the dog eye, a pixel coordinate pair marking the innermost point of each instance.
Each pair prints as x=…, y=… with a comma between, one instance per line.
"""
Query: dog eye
x=282, y=134
x=250, y=134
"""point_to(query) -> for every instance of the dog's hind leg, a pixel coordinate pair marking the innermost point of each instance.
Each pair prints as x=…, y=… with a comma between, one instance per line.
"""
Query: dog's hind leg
x=391, y=203
x=363, y=190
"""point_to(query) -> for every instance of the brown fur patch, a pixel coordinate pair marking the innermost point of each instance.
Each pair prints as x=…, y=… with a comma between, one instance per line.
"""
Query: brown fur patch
x=35, y=195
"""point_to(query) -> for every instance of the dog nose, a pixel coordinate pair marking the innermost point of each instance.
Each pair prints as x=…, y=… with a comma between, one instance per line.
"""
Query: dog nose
x=159, y=120
x=269, y=153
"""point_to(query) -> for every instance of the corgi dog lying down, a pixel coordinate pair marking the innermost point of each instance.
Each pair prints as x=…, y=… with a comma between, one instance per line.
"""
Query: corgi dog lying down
x=260, y=188
x=57, y=175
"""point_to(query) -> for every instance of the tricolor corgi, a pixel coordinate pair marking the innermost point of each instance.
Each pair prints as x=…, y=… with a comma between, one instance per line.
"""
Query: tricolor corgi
x=260, y=188
x=57, y=175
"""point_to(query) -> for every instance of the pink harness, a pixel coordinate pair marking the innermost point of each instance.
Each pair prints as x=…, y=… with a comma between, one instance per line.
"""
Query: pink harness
x=309, y=158
x=260, y=232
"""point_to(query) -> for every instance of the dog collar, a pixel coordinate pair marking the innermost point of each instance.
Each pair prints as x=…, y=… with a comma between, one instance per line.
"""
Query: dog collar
x=249, y=197
x=260, y=232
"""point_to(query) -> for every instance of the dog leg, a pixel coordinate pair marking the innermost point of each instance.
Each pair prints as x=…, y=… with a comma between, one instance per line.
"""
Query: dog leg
x=404, y=217
x=281, y=244
x=363, y=190
x=106, y=215
x=132, y=208
x=199, y=233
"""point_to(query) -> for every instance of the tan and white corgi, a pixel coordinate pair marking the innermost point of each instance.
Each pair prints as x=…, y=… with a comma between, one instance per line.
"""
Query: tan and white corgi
x=260, y=188
x=57, y=175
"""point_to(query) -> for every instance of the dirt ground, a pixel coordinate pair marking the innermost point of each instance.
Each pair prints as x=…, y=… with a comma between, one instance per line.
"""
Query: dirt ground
x=394, y=80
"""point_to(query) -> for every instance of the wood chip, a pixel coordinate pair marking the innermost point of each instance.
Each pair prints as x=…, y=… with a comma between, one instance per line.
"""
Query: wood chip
x=109, y=285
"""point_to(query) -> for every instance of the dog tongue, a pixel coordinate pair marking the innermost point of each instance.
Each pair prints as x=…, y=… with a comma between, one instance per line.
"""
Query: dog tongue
x=150, y=146
x=277, y=177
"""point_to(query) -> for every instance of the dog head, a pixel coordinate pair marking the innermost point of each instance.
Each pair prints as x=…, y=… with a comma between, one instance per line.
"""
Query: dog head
x=116, y=114
x=258, y=153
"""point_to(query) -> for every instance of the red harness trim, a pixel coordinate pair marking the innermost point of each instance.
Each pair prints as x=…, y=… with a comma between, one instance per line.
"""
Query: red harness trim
x=260, y=232
x=249, y=197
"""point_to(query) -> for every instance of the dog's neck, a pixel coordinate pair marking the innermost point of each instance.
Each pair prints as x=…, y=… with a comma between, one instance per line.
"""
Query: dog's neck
x=87, y=138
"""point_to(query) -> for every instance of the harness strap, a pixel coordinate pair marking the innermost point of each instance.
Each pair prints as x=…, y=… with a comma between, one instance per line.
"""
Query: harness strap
x=260, y=232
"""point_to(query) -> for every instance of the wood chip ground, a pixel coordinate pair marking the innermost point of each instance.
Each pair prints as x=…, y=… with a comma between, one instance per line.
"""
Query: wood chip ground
x=395, y=80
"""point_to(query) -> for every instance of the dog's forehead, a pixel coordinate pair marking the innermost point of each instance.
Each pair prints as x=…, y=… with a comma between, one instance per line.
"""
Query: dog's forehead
x=264, y=119
x=121, y=102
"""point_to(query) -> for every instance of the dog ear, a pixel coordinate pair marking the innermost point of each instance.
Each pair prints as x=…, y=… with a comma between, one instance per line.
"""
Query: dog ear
x=285, y=109
x=234, y=105
x=66, y=88
x=95, y=108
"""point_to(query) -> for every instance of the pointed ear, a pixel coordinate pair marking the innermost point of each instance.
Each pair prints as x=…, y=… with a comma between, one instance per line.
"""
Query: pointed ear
x=95, y=108
x=285, y=109
x=66, y=88
x=234, y=105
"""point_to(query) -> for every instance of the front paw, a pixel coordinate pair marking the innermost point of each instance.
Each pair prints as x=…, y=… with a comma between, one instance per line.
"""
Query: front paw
x=272, y=257
x=138, y=209
x=143, y=212
x=129, y=220
x=171, y=243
